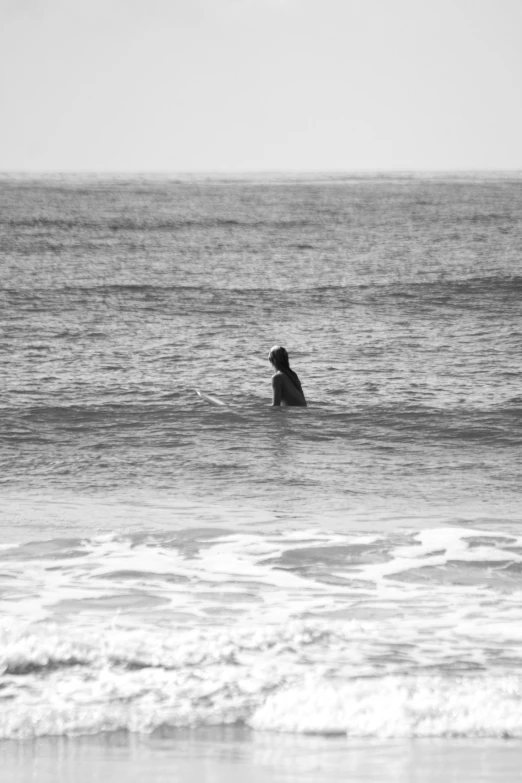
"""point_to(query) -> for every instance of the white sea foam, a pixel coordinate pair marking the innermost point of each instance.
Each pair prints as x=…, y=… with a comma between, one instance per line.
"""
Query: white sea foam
x=399, y=707
x=302, y=677
x=252, y=576
x=361, y=634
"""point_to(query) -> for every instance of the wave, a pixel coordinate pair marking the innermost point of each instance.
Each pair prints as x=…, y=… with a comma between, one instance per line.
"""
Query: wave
x=157, y=414
x=271, y=679
x=391, y=707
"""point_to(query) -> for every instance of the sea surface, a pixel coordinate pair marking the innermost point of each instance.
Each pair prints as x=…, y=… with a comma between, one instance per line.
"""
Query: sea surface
x=353, y=568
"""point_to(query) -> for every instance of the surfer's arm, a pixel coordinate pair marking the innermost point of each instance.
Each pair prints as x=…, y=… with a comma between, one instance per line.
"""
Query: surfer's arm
x=277, y=390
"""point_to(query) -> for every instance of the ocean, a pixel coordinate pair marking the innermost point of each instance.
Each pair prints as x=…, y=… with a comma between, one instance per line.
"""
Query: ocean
x=344, y=578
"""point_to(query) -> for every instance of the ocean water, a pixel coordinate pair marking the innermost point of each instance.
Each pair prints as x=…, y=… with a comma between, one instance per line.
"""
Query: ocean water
x=353, y=568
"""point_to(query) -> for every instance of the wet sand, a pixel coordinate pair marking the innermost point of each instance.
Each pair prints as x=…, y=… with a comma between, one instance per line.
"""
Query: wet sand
x=235, y=755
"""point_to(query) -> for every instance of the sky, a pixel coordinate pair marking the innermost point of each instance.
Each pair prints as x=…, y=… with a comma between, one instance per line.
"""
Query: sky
x=260, y=85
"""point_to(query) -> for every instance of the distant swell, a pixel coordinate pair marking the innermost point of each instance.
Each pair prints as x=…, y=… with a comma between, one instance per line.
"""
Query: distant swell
x=123, y=224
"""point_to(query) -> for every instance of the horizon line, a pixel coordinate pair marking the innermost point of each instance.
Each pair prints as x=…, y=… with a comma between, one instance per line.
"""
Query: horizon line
x=253, y=172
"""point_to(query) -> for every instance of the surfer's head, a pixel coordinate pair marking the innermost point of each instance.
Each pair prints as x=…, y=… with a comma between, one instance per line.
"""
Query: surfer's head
x=278, y=357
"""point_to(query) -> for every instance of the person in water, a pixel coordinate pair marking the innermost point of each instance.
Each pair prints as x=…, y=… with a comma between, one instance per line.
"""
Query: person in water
x=286, y=386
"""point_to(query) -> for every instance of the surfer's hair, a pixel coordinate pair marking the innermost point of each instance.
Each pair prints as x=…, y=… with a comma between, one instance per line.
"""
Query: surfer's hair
x=279, y=355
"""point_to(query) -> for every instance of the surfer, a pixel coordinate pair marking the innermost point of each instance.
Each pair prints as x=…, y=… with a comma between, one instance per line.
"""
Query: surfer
x=286, y=386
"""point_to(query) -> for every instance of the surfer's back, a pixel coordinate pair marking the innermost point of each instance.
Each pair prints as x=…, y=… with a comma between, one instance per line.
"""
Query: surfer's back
x=285, y=392
x=286, y=386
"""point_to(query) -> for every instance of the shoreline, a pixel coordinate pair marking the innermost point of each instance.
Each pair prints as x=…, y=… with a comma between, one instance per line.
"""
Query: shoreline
x=236, y=753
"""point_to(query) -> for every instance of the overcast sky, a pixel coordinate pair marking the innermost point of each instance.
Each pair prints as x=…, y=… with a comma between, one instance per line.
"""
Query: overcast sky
x=260, y=85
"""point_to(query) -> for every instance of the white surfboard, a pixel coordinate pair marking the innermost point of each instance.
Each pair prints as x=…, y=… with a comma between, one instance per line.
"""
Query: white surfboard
x=210, y=399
